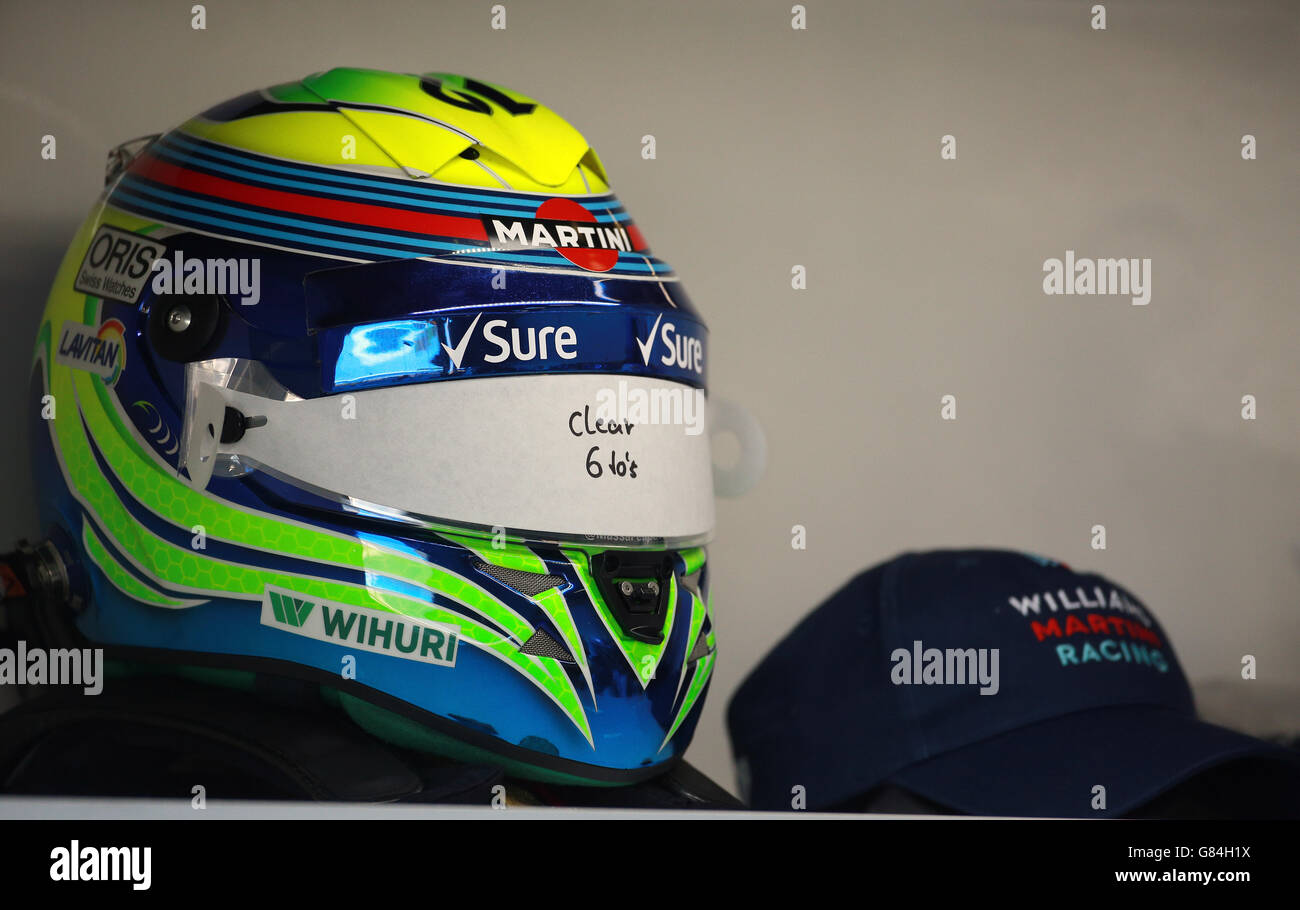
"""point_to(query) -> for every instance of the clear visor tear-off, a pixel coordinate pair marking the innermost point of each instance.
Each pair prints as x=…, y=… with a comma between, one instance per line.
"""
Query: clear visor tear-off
x=549, y=456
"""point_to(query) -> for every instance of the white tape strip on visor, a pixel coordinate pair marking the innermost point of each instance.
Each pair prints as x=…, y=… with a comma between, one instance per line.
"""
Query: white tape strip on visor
x=552, y=455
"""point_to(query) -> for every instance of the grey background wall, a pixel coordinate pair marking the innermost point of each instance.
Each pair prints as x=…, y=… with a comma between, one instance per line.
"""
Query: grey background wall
x=821, y=148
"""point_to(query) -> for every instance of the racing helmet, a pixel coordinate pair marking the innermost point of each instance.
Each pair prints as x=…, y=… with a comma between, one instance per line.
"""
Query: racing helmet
x=369, y=380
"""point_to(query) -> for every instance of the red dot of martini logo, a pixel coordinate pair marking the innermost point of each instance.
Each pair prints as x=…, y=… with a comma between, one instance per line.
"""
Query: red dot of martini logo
x=584, y=257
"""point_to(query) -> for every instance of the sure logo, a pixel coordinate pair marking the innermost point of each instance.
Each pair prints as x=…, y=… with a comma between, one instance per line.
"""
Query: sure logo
x=361, y=628
x=679, y=350
x=521, y=344
x=117, y=264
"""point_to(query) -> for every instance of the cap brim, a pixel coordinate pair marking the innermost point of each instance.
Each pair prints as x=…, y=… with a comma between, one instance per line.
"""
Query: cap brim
x=1050, y=768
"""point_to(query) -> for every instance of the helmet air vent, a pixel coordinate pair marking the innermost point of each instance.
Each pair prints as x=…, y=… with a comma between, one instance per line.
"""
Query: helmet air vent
x=530, y=584
x=701, y=649
x=636, y=585
x=540, y=644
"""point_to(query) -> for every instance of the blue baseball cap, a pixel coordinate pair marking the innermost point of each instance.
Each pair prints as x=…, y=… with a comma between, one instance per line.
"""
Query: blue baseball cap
x=991, y=682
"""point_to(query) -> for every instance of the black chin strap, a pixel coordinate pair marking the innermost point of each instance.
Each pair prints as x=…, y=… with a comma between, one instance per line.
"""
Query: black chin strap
x=174, y=738
x=160, y=737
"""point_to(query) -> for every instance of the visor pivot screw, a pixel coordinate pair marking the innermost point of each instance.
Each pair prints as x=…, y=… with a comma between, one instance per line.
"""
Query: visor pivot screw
x=653, y=588
x=179, y=318
x=235, y=423
x=626, y=588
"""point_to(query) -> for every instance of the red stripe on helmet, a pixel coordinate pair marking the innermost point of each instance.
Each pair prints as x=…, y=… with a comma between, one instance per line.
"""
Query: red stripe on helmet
x=153, y=168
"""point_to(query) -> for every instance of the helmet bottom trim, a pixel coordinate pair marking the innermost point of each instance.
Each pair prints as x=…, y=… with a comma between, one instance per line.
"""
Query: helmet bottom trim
x=396, y=721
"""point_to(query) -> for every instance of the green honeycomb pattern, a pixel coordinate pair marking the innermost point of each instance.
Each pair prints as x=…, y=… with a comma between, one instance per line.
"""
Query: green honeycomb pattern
x=125, y=582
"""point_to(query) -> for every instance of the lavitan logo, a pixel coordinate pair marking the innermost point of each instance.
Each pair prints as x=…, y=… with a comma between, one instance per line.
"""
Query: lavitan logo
x=566, y=227
x=100, y=351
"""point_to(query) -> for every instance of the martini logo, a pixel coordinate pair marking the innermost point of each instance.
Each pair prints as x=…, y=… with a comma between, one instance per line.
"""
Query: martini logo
x=117, y=264
x=101, y=352
x=361, y=628
x=566, y=227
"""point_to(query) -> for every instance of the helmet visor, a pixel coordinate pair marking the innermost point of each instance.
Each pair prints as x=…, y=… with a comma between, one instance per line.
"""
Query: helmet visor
x=618, y=460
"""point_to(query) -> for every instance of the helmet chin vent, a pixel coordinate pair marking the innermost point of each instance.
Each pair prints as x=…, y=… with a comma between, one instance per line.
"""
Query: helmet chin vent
x=540, y=644
x=530, y=584
x=636, y=586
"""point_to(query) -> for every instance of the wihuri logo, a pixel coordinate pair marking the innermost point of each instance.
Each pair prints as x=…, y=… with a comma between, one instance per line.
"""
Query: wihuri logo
x=1124, y=277
x=361, y=627
x=949, y=667
x=290, y=610
x=76, y=863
